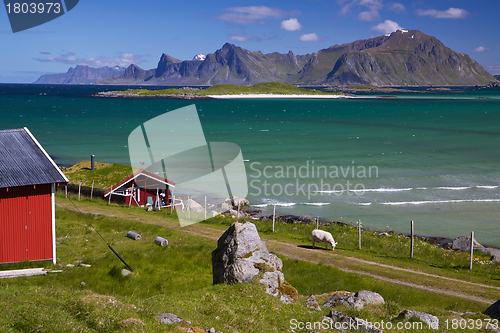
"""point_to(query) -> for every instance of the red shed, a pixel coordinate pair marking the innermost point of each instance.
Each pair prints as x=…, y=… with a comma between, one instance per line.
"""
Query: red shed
x=142, y=188
x=28, y=178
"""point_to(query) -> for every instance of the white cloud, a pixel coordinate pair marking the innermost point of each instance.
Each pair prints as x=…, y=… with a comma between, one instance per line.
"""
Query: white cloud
x=481, y=49
x=240, y=39
x=387, y=26
x=397, y=7
x=450, y=13
x=309, y=38
x=372, y=15
x=291, y=24
x=124, y=60
x=250, y=15
x=372, y=6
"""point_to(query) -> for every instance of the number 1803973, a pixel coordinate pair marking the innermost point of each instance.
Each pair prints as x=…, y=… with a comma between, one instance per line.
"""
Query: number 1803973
x=33, y=8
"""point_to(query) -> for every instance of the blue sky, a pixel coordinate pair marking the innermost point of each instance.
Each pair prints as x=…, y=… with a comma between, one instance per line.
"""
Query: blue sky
x=112, y=32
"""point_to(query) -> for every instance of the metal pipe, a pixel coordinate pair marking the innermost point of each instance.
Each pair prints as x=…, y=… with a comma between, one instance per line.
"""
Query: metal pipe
x=92, y=162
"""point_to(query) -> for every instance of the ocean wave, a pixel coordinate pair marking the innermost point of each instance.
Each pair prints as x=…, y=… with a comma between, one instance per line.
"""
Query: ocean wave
x=363, y=203
x=315, y=203
x=270, y=202
x=399, y=203
x=487, y=186
x=453, y=188
x=260, y=205
x=383, y=189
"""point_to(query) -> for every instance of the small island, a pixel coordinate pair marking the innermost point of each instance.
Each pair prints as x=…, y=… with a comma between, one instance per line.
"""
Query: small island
x=261, y=90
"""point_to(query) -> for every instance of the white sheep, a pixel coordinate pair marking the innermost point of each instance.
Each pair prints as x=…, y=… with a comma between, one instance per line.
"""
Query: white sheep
x=323, y=236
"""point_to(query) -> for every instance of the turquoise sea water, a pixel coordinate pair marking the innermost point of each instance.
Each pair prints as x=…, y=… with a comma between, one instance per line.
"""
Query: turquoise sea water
x=432, y=158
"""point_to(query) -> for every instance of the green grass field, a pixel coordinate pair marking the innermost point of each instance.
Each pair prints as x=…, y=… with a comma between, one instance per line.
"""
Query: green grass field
x=178, y=279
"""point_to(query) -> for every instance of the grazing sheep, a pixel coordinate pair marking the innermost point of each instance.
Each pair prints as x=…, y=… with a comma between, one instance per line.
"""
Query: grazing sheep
x=323, y=236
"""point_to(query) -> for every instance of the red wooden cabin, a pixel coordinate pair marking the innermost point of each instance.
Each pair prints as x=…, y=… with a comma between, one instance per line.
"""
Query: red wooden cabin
x=143, y=188
x=28, y=180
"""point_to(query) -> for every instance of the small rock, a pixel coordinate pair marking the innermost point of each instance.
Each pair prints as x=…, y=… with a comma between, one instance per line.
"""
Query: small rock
x=83, y=284
x=312, y=303
x=70, y=265
x=170, y=318
x=462, y=244
x=126, y=272
x=84, y=265
x=430, y=320
x=384, y=234
x=370, y=297
x=286, y=299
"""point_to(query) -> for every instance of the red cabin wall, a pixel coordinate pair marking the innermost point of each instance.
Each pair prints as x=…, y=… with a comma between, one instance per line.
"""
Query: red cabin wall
x=143, y=196
x=25, y=223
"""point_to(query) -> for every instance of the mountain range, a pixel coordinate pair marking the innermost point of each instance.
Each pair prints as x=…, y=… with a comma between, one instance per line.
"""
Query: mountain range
x=80, y=75
x=404, y=57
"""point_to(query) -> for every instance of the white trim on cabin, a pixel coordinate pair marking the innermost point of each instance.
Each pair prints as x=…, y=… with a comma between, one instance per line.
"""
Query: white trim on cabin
x=113, y=191
x=53, y=208
x=45, y=153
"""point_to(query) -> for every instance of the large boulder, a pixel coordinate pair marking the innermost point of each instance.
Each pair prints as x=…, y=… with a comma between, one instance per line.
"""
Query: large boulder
x=462, y=244
x=241, y=255
x=493, y=310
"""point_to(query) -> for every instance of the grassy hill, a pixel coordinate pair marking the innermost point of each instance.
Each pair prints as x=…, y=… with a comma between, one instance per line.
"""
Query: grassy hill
x=178, y=278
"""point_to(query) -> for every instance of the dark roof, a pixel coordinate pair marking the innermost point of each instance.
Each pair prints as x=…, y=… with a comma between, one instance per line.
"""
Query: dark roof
x=23, y=161
x=155, y=180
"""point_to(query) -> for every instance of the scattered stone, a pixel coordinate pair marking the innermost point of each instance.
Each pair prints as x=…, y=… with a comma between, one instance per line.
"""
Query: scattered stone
x=370, y=297
x=286, y=299
x=430, y=320
x=83, y=284
x=462, y=244
x=241, y=255
x=312, y=303
x=70, y=265
x=307, y=219
x=384, y=234
x=85, y=265
x=237, y=202
x=353, y=323
x=456, y=313
x=126, y=272
x=170, y=318
x=357, y=301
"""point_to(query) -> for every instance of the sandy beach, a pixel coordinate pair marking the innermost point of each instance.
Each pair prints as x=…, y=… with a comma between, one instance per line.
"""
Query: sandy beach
x=240, y=96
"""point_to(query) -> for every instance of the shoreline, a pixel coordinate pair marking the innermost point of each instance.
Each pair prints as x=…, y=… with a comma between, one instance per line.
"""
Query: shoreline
x=242, y=96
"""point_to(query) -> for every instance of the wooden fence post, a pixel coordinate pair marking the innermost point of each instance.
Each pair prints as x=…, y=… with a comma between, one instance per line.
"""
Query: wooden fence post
x=317, y=223
x=92, y=190
x=359, y=234
x=109, y=199
x=274, y=215
x=79, y=189
x=411, y=241
x=471, y=248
